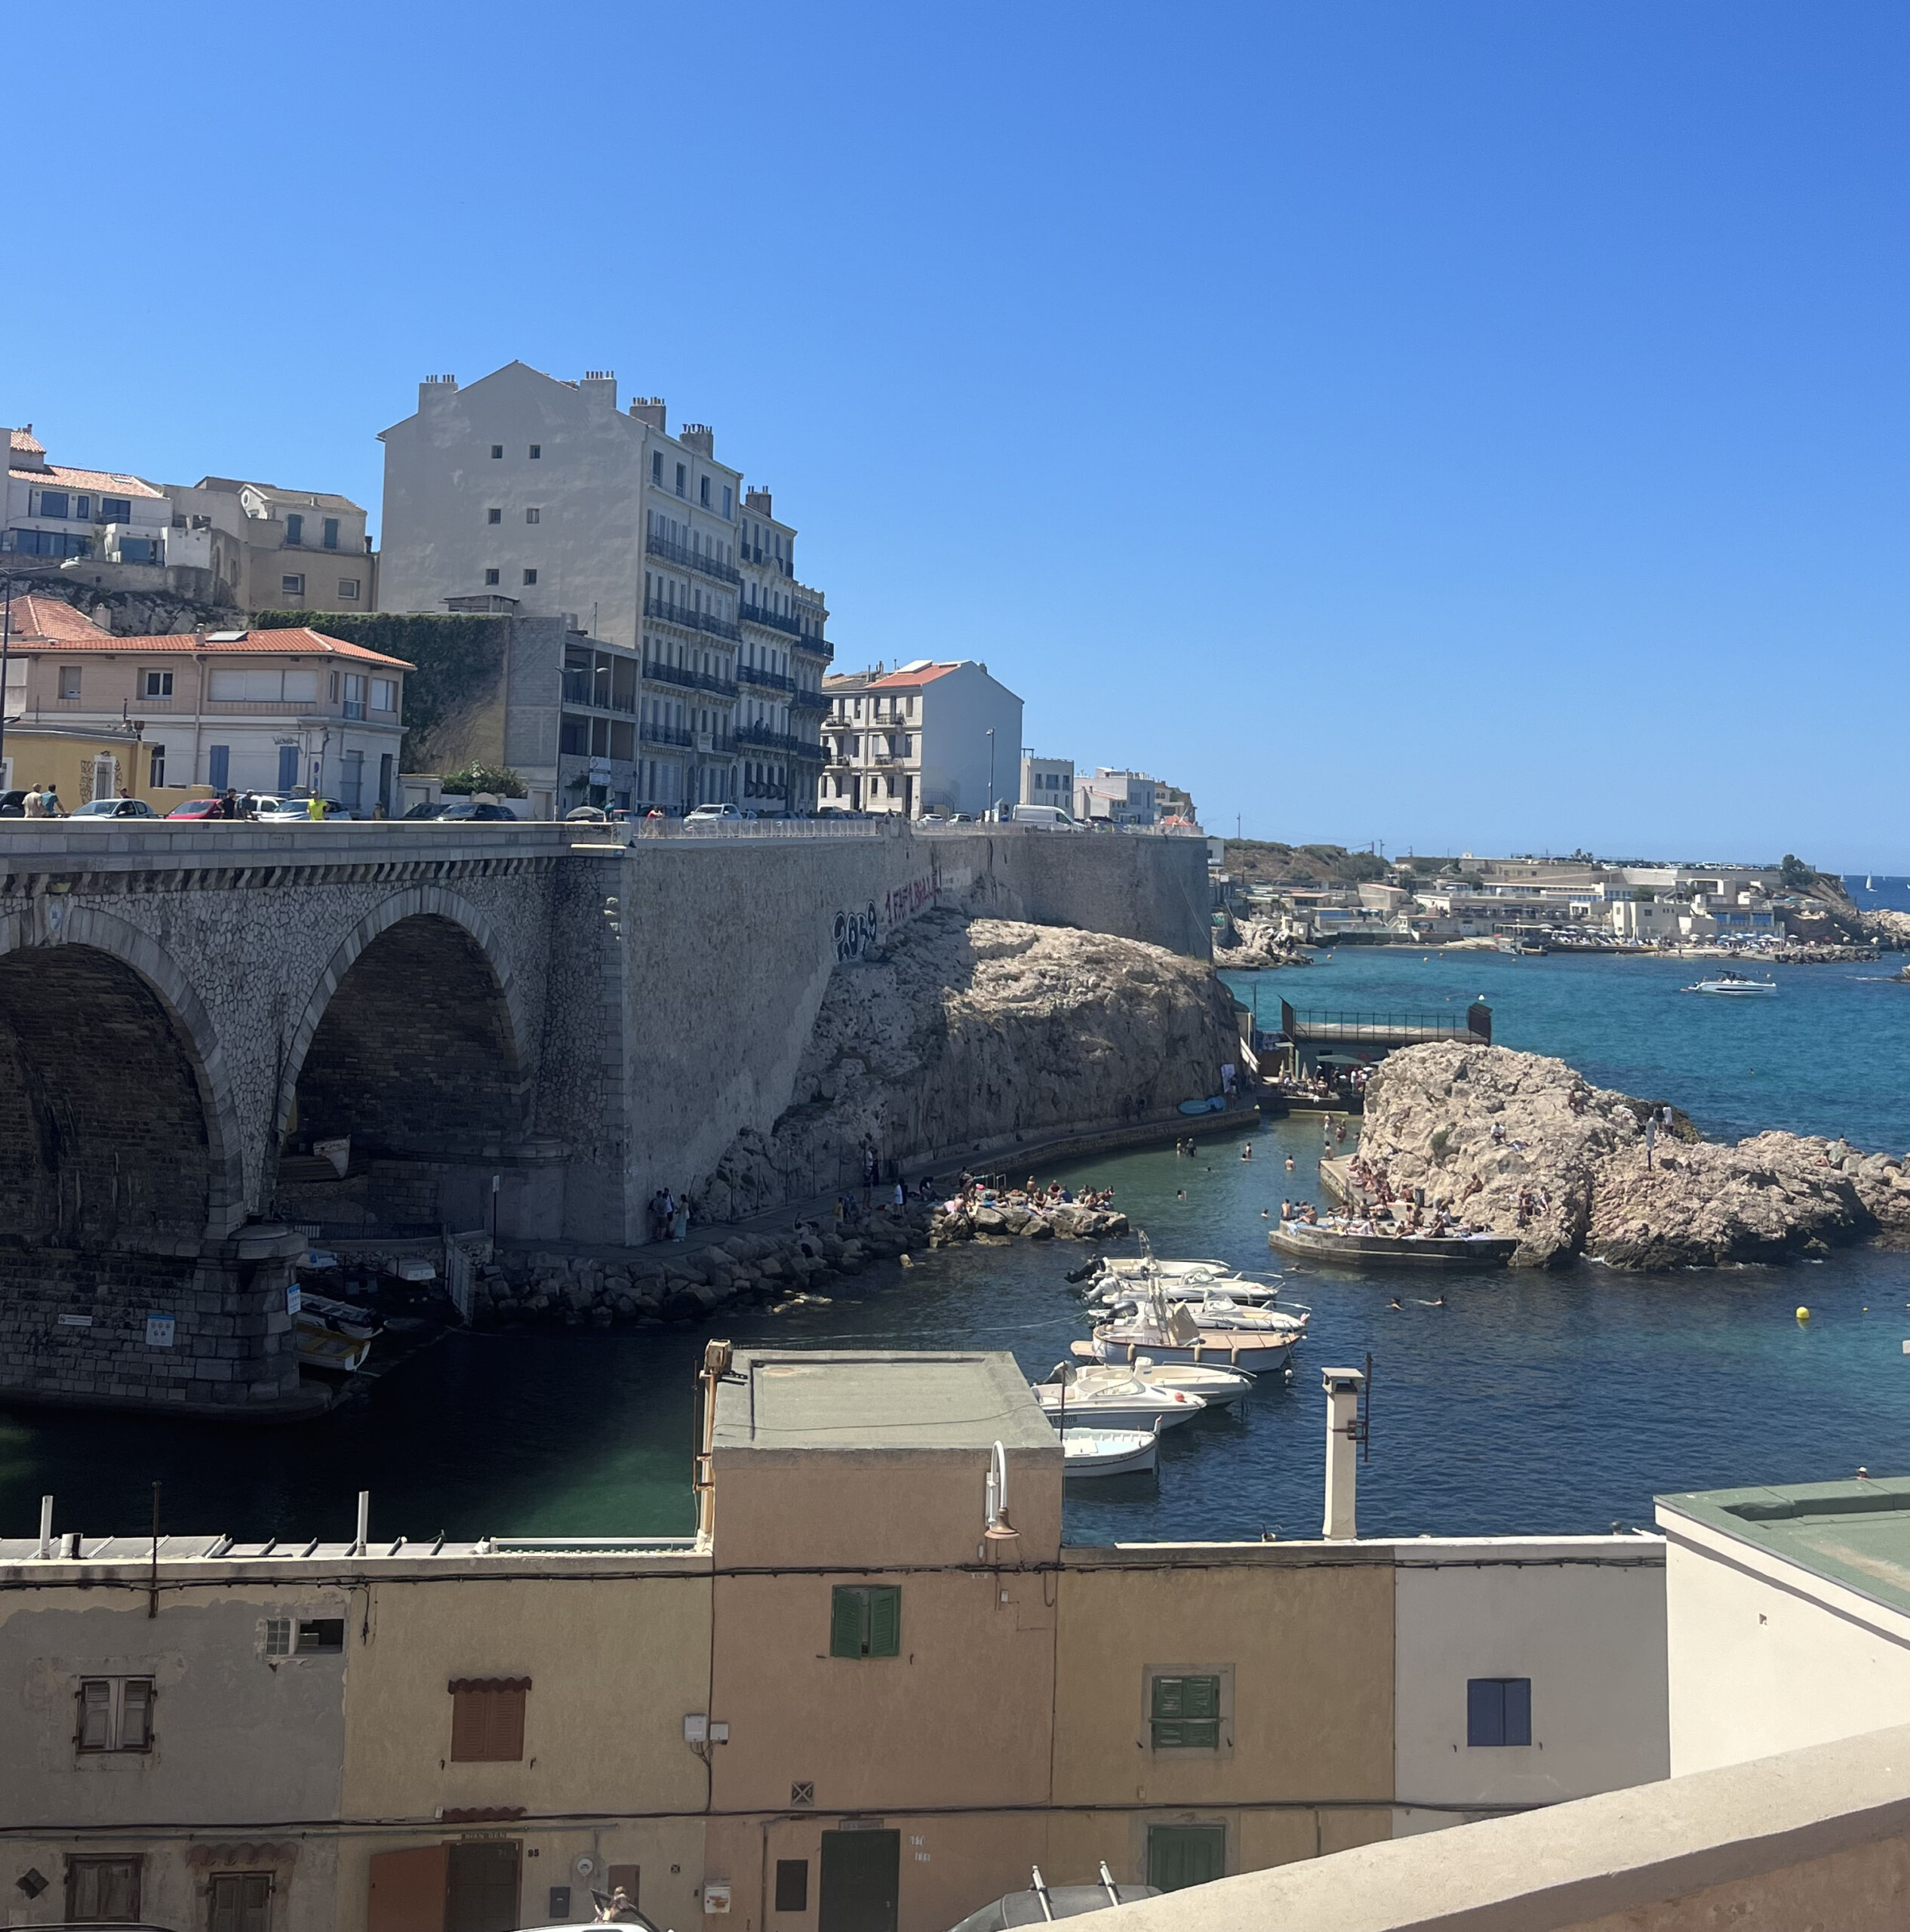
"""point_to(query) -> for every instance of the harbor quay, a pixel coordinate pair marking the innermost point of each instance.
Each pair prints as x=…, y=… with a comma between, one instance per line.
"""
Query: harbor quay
x=876, y=1689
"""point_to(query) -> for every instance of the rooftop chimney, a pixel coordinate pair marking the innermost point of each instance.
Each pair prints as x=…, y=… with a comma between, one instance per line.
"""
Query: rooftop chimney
x=758, y=501
x=600, y=385
x=648, y=409
x=1342, y=1386
x=436, y=390
x=699, y=436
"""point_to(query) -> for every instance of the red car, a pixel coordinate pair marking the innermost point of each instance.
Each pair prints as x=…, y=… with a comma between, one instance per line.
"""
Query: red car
x=198, y=808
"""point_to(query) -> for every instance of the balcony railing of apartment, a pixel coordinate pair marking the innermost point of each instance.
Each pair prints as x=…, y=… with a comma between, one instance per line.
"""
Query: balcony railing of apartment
x=773, y=620
x=768, y=558
x=716, y=744
x=780, y=741
x=804, y=700
x=691, y=560
x=767, y=681
x=691, y=620
x=248, y=707
x=666, y=734
x=685, y=679
x=580, y=686
x=46, y=543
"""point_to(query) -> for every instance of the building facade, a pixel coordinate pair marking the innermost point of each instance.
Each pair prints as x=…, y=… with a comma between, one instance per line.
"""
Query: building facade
x=1116, y=797
x=59, y=513
x=526, y=487
x=277, y=549
x=257, y=711
x=1048, y=781
x=927, y=740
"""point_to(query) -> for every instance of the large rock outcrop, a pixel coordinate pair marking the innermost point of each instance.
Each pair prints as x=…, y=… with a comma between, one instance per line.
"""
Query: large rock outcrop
x=960, y=1035
x=1250, y=943
x=1527, y=1145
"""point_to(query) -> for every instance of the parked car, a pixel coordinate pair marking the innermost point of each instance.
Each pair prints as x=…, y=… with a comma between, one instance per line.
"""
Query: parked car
x=1053, y=816
x=427, y=808
x=285, y=809
x=703, y=814
x=13, y=805
x=586, y=815
x=199, y=808
x=114, y=808
x=463, y=811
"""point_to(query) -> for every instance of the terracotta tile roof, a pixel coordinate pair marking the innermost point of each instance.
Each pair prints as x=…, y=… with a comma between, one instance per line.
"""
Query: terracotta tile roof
x=50, y=618
x=107, y=481
x=909, y=679
x=301, y=642
x=25, y=442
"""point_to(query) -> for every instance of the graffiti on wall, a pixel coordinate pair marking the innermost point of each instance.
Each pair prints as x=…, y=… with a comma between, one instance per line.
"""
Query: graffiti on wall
x=858, y=930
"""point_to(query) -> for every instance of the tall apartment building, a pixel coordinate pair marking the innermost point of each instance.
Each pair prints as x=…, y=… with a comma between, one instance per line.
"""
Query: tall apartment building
x=929, y=737
x=528, y=494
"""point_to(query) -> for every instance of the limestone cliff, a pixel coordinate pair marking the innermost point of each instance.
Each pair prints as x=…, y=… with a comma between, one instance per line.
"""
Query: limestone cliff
x=1565, y=1170
x=959, y=1034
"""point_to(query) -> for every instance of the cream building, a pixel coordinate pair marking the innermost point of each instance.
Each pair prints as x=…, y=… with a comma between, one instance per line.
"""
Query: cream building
x=278, y=549
x=1048, y=781
x=930, y=738
x=538, y=496
x=60, y=513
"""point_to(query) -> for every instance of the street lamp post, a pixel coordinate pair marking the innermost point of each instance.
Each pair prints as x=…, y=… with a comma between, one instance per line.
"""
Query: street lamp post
x=991, y=771
x=6, y=652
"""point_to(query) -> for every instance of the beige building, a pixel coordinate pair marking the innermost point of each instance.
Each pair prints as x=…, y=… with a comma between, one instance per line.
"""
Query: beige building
x=277, y=549
x=1048, y=781
x=873, y=1691
x=271, y=711
x=930, y=738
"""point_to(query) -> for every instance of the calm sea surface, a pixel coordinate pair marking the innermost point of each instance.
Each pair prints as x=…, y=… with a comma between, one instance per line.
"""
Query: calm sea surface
x=1561, y=1401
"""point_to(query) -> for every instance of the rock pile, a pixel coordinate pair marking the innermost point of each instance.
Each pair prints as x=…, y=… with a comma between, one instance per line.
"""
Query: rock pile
x=1257, y=943
x=1565, y=1172
x=650, y=1286
x=1067, y=1219
x=961, y=1034
x=1888, y=928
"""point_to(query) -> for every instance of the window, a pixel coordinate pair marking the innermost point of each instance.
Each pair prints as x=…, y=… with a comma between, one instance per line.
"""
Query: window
x=494, y=516
x=115, y=1714
x=682, y=476
x=228, y=686
x=480, y=1888
x=348, y=588
x=491, y=576
x=82, y=508
x=330, y=537
x=865, y=1621
x=1179, y=1856
x=1184, y=1713
x=530, y=577
x=354, y=695
x=496, y=451
x=115, y=509
x=331, y=692
x=156, y=684
x=53, y=502
x=156, y=775
x=218, y=766
x=792, y=1884
x=574, y=735
x=703, y=490
x=1498, y=1711
x=105, y=1889
x=384, y=694
x=239, y=1902
x=488, y=1719
x=656, y=467
x=533, y=516
x=537, y=451
x=291, y=586
x=727, y=511
x=295, y=528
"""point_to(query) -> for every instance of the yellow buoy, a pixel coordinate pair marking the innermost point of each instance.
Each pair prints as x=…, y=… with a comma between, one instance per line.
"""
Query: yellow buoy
x=1804, y=1314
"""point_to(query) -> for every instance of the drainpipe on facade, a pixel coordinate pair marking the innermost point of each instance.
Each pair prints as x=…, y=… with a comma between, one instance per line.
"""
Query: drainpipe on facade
x=1344, y=1434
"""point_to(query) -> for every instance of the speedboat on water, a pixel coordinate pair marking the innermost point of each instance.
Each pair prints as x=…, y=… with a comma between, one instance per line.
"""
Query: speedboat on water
x=1735, y=985
x=1109, y=1452
x=1245, y=1290
x=1114, y=1399
x=1168, y=1332
x=1364, y=1245
x=1216, y=1387
x=1215, y=1310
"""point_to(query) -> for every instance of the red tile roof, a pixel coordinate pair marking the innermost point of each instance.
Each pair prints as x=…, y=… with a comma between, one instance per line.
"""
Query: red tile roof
x=24, y=440
x=908, y=680
x=302, y=642
x=107, y=481
x=50, y=618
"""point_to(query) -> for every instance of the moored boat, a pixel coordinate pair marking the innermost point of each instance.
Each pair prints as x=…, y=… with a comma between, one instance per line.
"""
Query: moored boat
x=1216, y=1386
x=1114, y=1399
x=1362, y=1245
x=335, y=1335
x=1735, y=985
x=1109, y=1452
x=1169, y=1333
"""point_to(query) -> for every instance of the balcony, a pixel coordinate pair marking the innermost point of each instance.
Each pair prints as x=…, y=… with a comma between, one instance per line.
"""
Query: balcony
x=804, y=700
x=666, y=734
x=687, y=559
x=772, y=620
x=762, y=680
x=690, y=621
x=581, y=688
x=688, y=680
x=762, y=736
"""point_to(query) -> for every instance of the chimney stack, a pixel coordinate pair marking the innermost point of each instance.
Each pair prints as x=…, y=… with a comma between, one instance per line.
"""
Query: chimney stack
x=699, y=436
x=649, y=409
x=758, y=501
x=1342, y=1386
x=436, y=389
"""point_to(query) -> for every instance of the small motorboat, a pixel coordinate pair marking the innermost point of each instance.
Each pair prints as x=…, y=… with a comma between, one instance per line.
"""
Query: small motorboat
x=1363, y=1244
x=1735, y=985
x=1216, y=1387
x=335, y=1335
x=1114, y=1399
x=1168, y=1332
x=1109, y=1452
x=1215, y=1310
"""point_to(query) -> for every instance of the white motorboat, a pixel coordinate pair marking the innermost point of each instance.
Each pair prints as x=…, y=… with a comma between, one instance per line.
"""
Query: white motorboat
x=336, y=1335
x=1216, y=1310
x=1109, y=1291
x=1216, y=1387
x=1113, y=1398
x=1735, y=985
x=1109, y=1452
x=1168, y=1332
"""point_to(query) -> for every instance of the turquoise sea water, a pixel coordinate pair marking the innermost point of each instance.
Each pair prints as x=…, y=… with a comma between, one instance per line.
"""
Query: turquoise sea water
x=1561, y=1401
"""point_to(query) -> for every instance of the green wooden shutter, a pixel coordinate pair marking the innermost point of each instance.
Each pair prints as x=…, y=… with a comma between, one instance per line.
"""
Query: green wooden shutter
x=1182, y=1855
x=847, y=1608
x=1184, y=1713
x=885, y=1622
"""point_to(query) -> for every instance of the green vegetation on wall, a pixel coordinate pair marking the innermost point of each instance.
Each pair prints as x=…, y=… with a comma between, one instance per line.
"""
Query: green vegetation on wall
x=455, y=654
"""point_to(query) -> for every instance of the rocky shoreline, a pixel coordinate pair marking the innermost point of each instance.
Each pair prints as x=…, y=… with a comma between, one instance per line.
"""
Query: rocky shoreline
x=1523, y=1144
x=1249, y=945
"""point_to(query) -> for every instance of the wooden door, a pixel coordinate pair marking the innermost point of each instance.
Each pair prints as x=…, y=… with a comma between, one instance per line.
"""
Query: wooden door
x=861, y=1881
x=407, y=1890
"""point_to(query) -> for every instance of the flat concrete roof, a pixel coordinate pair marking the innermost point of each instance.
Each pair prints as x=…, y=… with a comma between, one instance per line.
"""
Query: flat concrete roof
x=877, y=1398
x=1856, y=1534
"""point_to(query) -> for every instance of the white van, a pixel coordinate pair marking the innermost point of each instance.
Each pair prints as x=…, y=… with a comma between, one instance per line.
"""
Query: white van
x=1053, y=816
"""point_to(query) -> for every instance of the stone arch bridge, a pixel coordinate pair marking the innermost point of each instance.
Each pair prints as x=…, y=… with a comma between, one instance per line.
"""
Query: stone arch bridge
x=531, y=1025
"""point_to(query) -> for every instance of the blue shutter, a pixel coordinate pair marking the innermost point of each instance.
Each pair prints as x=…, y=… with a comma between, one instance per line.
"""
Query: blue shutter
x=1518, y=1710
x=218, y=765
x=287, y=767
x=1485, y=1711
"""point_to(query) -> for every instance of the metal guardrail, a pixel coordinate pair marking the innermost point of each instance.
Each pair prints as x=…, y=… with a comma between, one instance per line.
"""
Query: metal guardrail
x=691, y=620
x=691, y=560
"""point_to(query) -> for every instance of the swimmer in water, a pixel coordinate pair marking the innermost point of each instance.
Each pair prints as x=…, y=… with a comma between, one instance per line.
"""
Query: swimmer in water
x=1290, y=1168
x=1247, y=1152
x=1395, y=1303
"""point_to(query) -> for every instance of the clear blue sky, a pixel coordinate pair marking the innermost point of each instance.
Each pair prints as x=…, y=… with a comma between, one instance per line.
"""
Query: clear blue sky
x=1464, y=425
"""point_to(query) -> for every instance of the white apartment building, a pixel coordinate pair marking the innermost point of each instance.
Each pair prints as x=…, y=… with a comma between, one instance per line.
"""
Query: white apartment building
x=527, y=493
x=931, y=738
x=1116, y=797
x=1048, y=781
x=59, y=513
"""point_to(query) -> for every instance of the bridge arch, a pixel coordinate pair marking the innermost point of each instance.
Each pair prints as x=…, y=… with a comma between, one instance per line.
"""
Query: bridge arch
x=413, y=1041
x=118, y=1126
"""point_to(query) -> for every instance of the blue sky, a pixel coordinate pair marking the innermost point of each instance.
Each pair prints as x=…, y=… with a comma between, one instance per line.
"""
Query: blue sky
x=1460, y=426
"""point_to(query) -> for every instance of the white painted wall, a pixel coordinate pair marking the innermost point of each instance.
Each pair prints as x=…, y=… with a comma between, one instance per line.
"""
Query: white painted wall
x=957, y=709
x=1583, y=1617
x=1766, y=1656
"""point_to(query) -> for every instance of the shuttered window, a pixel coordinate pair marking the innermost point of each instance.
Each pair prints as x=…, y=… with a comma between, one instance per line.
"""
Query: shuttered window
x=115, y=1714
x=1498, y=1711
x=240, y=1901
x=865, y=1621
x=1186, y=1713
x=792, y=1884
x=102, y=1889
x=488, y=1719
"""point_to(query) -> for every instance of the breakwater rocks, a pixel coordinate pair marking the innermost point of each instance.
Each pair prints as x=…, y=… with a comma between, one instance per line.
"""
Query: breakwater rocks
x=1256, y=944
x=663, y=1283
x=1526, y=1144
x=1067, y=1219
x=959, y=1035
